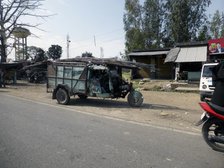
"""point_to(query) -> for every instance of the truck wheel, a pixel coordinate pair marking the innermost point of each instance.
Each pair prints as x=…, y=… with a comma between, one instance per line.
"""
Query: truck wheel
x=135, y=99
x=62, y=96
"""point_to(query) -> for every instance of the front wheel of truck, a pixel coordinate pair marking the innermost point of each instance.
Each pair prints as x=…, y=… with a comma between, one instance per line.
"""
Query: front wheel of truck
x=135, y=99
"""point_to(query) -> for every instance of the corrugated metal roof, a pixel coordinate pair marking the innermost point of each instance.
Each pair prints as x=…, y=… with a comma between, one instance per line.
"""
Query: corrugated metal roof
x=148, y=53
x=172, y=55
x=192, y=54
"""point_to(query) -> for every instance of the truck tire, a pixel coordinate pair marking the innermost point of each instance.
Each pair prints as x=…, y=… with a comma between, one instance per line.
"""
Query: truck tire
x=62, y=96
x=135, y=99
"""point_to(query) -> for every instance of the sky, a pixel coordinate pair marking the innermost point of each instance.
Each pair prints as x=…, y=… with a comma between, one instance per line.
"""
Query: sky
x=94, y=26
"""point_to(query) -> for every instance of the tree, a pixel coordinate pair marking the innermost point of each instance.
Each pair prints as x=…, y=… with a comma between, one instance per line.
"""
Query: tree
x=203, y=34
x=153, y=20
x=36, y=54
x=183, y=18
x=41, y=55
x=217, y=25
x=133, y=25
x=162, y=23
x=11, y=14
x=31, y=52
x=54, y=52
x=87, y=54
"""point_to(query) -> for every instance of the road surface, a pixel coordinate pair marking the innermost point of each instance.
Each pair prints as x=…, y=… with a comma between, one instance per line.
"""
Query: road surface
x=38, y=135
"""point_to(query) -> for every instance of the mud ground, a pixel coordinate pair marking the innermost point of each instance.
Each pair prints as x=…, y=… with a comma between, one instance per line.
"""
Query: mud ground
x=174, y=110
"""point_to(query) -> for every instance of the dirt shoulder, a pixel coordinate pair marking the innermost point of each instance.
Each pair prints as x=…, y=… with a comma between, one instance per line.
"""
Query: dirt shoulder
x=173, y=110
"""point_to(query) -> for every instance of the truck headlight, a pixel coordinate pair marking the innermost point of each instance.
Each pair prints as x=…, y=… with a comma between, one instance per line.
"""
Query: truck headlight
x=204, y=86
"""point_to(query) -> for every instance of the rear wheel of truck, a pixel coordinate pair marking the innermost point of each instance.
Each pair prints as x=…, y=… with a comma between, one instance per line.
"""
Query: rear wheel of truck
x=62, y=96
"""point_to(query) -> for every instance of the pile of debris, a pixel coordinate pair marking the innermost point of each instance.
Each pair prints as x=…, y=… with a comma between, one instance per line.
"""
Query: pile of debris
x=36, y=72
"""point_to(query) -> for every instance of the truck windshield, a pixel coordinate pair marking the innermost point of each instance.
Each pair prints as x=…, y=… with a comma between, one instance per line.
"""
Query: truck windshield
x=207, y=71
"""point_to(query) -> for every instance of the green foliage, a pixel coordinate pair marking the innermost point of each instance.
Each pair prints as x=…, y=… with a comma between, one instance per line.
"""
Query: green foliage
x=152, y=19
x=87, y=54
x=40, y=56
x=203, y=34
x=217, y=25
x=162, y=23
x=13, y=14
x=134, y=39
x=133, y=16
x=54, y=52
x=133, y=25
x=36, y=54
x=183, y=19
x=176, y=20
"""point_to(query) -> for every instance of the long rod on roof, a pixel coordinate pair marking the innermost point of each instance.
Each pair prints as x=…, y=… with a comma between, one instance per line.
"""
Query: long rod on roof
x=68, y=41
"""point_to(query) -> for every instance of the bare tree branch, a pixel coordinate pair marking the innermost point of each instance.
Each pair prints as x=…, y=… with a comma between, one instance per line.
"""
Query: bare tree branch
x=15, y=10
x=11, y=12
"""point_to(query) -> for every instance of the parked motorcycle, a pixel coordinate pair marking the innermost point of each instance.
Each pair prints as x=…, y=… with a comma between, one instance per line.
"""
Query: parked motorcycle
x=213, y=125
x=213, y=116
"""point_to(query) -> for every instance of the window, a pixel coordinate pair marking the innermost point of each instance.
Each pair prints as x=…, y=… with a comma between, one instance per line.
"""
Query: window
x=208, y=71
x=68, y=72
x=59, y=81
x=60, y=71
x=68, y=82
x=79, y=86
x=77, y=71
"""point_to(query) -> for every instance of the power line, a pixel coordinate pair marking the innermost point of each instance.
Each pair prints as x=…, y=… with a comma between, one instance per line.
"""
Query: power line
x=100, y=42
x=100, y=35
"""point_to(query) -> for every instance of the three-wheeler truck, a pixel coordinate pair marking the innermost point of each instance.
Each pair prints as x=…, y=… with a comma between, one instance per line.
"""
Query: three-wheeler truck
x=91, y=77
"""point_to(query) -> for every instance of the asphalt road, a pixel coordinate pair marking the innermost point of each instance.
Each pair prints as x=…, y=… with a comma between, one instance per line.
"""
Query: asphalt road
x=36, y=135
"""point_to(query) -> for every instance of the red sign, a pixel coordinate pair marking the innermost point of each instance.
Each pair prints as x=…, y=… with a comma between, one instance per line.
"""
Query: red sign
x=216, y=45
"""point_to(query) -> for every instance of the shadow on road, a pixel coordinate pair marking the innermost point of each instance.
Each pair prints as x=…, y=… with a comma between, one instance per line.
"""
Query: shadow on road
x=3, y=90
x=160, y=107
x=105, y=103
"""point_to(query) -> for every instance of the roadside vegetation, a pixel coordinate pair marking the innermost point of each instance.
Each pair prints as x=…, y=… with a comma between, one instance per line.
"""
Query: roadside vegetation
x=154, y=24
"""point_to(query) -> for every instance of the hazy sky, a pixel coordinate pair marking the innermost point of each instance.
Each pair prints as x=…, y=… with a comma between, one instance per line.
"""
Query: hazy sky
x=94, y=26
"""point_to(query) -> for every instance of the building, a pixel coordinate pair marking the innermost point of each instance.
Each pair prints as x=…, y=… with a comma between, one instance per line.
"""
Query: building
x=8, y=72
x=155, y=59
x=188, y=59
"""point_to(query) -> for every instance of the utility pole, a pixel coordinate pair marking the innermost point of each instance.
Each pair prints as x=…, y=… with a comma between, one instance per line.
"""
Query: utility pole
x=94, y=40
x=68, y=41
x=101, y=52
